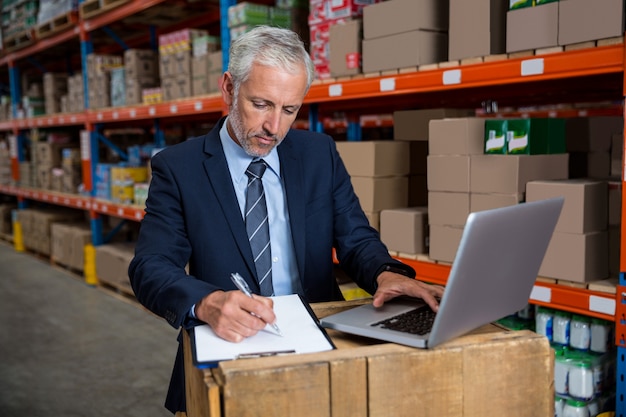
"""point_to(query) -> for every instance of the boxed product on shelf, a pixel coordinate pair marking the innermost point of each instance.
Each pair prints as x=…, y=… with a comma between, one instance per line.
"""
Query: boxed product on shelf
x=578, y=250
x=404, y=50
x=176, y=87
x=345, y=48
x=247, y=13
x=68, y=242
x=450, y=173
x=533, y=27
x=204, y=44
x=140, y=193
x=456, y=136
x=583, y=20
x=99, y=87
x=514, y=171
x=375, y=158
x=151, y=95
x=398, y=16
x=488, y=201
x=54, y=86
x=518, y=4
x=49, y=9
x=483, y=34
x=118, y=87
x=199, y=75
x=112, y=261
x=444, y=242
x=448, y=208
x=6, y=218
x=414, y=124
x=215, y=65
x=379, y=193
x=26, y=174
x=135, y=88
x=535, y=136
x=586, y=203
x=405, y=230
x=179, y=41
x=37, y=223
x=141, y=63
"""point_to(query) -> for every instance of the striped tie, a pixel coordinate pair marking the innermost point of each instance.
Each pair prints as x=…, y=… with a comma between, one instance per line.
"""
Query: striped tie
x=257, y=226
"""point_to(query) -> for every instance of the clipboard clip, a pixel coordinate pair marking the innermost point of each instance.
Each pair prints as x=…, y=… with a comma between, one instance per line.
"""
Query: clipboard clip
x=265, y=354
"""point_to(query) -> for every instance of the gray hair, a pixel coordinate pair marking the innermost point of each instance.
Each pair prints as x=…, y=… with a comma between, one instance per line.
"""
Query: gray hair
x=270, y=46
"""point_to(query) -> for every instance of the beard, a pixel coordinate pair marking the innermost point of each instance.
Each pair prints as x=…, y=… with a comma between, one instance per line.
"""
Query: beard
x=247, y=140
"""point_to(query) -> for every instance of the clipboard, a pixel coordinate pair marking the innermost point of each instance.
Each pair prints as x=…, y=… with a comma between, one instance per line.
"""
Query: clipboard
x=302, y=333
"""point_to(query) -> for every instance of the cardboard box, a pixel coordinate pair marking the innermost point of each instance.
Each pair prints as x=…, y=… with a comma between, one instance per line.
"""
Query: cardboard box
x=141, y=63
x=585, y=134
x=584, y=20
x=449, y=173
x=462, y=136
x=68, y=242
x=135, y=87
x=375, y=158
x=405, y=230
x=48, y=154
x=112, y=262
x=415, y=124
x=398, y=16
x=345, y=48
x=404, y=50
x=508, y=174
x=577, y=257
x=448, y=209
x=480, y=202
x=532, y=27
x=444, y=242
x=361, y=380
x=376, y=194
x=6, y=218
x=477, y=28
x=586, y=203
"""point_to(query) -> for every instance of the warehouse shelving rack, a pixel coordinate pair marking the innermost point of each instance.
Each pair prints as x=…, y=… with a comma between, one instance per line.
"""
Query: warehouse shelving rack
x=579, y=75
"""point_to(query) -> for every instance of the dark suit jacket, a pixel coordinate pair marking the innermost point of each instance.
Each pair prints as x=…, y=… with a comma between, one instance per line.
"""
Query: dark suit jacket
x=192, y=216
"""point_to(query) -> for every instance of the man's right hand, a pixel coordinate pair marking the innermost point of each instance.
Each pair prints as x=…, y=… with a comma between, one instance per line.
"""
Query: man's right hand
x=233, y=315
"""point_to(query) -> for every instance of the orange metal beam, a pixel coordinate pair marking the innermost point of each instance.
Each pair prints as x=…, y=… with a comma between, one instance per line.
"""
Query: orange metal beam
x=592, y=61
x=118, y=13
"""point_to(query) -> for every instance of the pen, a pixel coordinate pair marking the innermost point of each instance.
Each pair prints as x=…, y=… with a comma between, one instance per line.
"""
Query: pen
x=243, y=286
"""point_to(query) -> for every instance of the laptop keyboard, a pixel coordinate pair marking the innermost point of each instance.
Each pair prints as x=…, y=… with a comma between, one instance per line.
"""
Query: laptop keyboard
x=418, y=321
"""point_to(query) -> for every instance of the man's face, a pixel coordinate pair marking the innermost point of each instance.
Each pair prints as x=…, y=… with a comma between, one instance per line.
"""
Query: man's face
x=264, y=109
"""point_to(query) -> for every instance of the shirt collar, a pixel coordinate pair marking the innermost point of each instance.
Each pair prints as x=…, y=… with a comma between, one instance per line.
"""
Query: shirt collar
x=238, y=160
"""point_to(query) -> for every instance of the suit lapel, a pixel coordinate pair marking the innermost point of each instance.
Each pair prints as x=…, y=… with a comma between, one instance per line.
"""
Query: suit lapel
x=292, y=175
x=218, y=174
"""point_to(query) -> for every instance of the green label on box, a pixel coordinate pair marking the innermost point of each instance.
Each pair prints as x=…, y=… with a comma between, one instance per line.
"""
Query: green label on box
x=495, y=136
x=518, y=4
x=540, y=2
x=518, y=136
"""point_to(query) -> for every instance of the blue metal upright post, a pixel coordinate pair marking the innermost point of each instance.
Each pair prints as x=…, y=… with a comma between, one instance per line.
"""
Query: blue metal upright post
x=620, y=325
x=225, y=30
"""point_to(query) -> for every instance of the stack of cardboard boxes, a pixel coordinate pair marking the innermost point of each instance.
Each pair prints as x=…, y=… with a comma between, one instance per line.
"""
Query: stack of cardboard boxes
x=5, y=164
x=54, y=87
x=36, y=226
x=99, y=69
x=141, y=71
x=206, y=65
x=74, y=101
x=379, y=171
x=401, y=34
x=175, y=56
x=549, y=23
x=323, y=15
x=68, y=242
x=462, y=179
x=477, y=28
x=578, y=250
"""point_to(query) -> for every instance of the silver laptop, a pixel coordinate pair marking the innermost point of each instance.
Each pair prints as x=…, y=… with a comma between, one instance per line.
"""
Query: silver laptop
x=491, y=277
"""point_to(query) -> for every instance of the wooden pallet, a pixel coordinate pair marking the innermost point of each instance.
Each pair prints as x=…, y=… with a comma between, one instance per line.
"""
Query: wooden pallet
x=19, y=41
x=91, y=8
x=58, y=24
x=608, y=286
x=6, y=237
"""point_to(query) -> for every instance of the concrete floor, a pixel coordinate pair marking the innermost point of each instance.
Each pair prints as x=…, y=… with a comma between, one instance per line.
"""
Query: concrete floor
x=69, y=349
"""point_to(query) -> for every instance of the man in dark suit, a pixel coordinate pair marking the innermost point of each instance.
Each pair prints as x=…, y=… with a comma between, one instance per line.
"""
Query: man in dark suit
x=196, y=210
